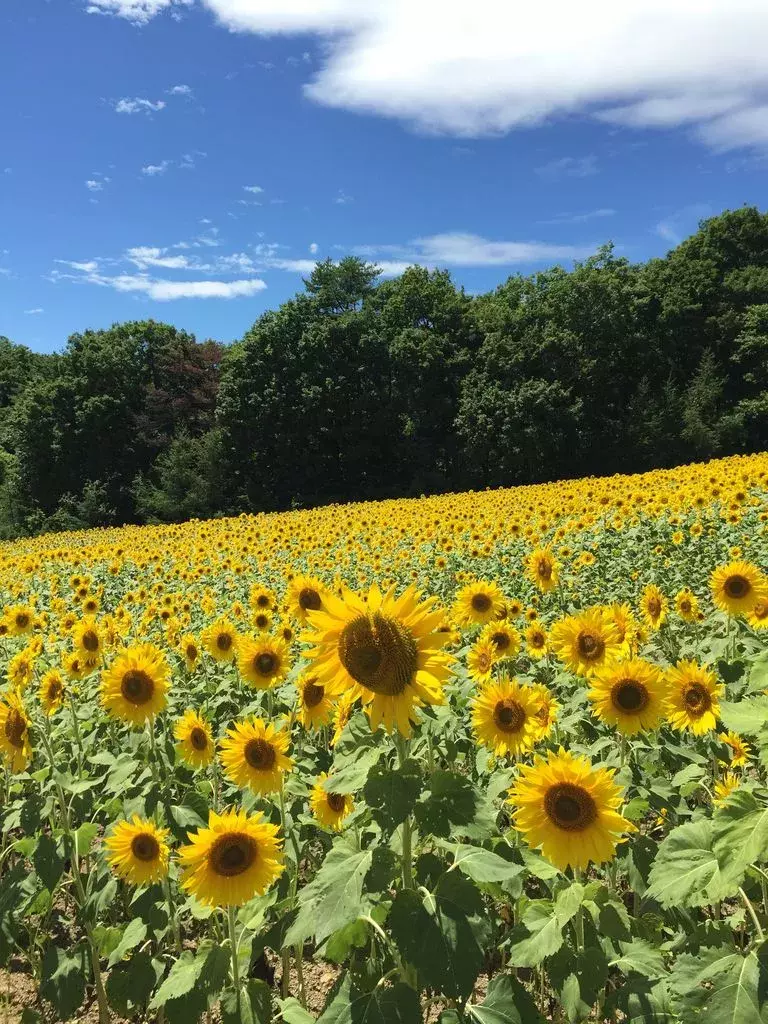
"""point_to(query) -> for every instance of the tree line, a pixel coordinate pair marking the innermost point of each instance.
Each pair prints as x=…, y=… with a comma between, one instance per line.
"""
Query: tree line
x=361, y=388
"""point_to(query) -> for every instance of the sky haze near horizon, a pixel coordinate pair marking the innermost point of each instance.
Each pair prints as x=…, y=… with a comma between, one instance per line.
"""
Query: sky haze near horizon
x=189, y=160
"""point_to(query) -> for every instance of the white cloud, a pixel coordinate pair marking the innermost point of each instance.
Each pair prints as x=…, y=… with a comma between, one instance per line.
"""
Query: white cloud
x=137, y=11
x=33, y=312
x=94, y=186
x=5, y=272
x=137, y=105
x=681, y=223
x=569, y=167
x=255, y=189
x=314, y=248
x=466, y=250
x=144, y=256
x=579, y=218
x=152, y=170
x=181, y=90
x=342, y=198
x=741, y=128
x=87, y=266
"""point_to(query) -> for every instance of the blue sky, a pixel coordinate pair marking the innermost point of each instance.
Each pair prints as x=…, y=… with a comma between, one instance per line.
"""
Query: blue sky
x=187, y=160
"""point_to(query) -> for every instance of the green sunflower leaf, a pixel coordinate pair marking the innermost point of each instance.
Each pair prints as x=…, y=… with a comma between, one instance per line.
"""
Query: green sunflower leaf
x=351, y=1004
x=507, y=1002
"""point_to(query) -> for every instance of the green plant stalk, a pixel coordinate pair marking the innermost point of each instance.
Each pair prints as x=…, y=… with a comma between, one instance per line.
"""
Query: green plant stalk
x=298, y=951
x=234, y=948
x=751, y=911
x=409, y=974
x=172, y=913
x=78, y=739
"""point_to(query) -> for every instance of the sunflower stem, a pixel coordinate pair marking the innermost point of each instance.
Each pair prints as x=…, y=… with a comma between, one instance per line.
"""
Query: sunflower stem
x=231, y=913
x=172, y=913
x=752, y=914
x=76, y=730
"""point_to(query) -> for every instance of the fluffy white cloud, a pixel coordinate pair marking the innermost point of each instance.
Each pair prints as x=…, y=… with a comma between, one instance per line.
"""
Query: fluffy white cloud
x=180, y=90
x=137, y=11
x=740, y=128
x=33, y=312
x=465, y=250
x=152, y=170
x=94, y=186
x=144, y=256
x=255, y=189
x=314, y=247
x=137, y=105
x=487, y=67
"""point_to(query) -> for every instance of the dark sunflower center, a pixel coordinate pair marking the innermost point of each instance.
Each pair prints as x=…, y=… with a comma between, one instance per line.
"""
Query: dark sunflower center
x=22, y=620
x=737, y=586
x=654, y=607
x=685, y=605
x=590, y=646
x=508, y=715
x=265, y=663
x=544, y=569
x=90, y=640
x=191, y=652
x=336, y=802
x=481, y=603
x=500, y=640
x=760, y=611
x=15, y=728
x=262, y=601
x=198, y=738
x=313, y=695
x=54, y=690
x=629, y=695
x=697, y=700
x=309, y=599
x=145, y=847
x=379, y=653
x=537, y=639
x=224, y=641
x=570, y=807
x=232, y=854
x=137, y=687
x=260, y=755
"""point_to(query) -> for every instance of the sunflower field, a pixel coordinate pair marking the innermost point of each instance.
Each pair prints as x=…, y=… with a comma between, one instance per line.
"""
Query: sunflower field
x=484, y=758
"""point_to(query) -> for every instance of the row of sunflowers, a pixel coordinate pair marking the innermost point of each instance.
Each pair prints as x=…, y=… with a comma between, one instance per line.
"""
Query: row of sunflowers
x=491, y=755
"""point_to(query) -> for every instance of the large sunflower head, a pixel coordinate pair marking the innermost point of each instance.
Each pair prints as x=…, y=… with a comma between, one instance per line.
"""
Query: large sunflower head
x=687, y=605
x=481, y=658
x=330, y=809
x=195, y=740
x=134, y=686
x=254, y=756
x=315, y=704
x=20, y=618
x=263, y=663
x=386, y=649
x=305, y=594
x=737, y=587
x=585, y=642
x=238, y=856
x=693, y=697
x=536, y=640
x=629, y=695
x=220, y=640
x=569, y=809
x=505, y=717
x=87, y=639
x=15, y=745
x=137, y=851
x=52, y=689
x=478, y=602
x=504, y=638
x=542, y=569
x=653, y=606
x=262, y=598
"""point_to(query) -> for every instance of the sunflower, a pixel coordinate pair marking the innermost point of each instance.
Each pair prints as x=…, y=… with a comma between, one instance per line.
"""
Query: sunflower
x=504, y=717
x=262, y=598
x=220, y=640
x=315, y=706
x=262, y=621
x=386, y=649
x=629, y=695
x=481, y=658
x=693, y=698
x=52, y=691
x=190, y=651
x=740, y=751
x=305, y=594
x=134, y=686
x=654, y=606
x=505, y=639
x=569, y=809
x=263, y=663
x=15, y=746
x=548, y=709
x=87, y=640
x=585, y=642
x=330, y=809
x=536, y=640
x=542, y=569
x=254, y=755
x=195, y=739
x=238, y=856
x=137, y=851
x=21, y=668
x=20, y=619
x=758, y=617
x=344, y=708
x=725, y=786
x=478, y=602
x=686, y=605
x=626, y=626
x=737, y=587
x=76, y=666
